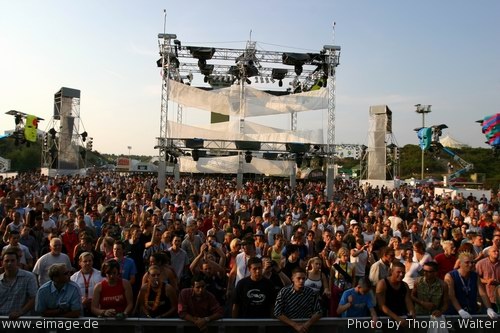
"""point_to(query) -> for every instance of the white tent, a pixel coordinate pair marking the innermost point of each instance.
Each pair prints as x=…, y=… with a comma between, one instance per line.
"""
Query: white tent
x=450, y=142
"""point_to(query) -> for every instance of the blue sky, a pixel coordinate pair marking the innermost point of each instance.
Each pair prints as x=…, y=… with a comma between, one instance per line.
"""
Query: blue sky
x=398, y=53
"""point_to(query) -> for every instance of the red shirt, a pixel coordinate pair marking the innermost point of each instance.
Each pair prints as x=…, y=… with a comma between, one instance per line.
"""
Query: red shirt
x=445, y=263
x=70, y=241
x=113, y=297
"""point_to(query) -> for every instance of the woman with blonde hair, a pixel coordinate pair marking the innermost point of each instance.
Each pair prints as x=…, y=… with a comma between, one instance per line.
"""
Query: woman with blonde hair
x=343, y=271
x=234, y=250
x=395, y=244
x=315, y=278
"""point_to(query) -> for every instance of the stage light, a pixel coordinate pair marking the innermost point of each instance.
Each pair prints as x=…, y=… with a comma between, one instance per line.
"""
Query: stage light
x=299, y=158
x=195, y=143
x=267, y=80
x=52, y=133
x=297, y=147
x=84, y=136
x=205, y=53
x=256, y=79
x=196, y=155
x=280, y=83
x=298, y=69
x=278, y=73
x=248, y=81
x=234, y=71
x=247, y=145
x=207, y=70
x=248, y=156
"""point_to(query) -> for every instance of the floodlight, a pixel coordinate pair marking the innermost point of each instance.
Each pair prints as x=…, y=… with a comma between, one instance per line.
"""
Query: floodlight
x=299, y=158
x=278, y=73
x=205, y=53
x=294, y=59
x=207, y=70
x=248, y=156
x=298, y=69
x=167, y=36
x=247, y=145
x=195, y=154
x=297, y=147
x=234, y=71
x=251, y=70
x=52, y=133
x=195, y=143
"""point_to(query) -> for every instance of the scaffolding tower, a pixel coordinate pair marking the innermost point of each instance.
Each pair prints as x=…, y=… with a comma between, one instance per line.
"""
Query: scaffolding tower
x=64, y=148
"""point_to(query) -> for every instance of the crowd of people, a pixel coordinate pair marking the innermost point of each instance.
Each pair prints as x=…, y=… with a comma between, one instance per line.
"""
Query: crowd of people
x=109, y=245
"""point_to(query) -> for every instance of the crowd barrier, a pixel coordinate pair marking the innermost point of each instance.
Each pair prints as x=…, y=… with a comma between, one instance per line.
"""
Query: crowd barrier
x=479, y=324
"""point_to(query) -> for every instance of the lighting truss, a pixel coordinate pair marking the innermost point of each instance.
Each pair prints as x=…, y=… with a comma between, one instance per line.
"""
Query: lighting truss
x=181, y=61
x=178, y=147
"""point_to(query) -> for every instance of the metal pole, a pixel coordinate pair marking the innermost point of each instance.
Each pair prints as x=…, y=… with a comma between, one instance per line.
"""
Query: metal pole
x=422, y=168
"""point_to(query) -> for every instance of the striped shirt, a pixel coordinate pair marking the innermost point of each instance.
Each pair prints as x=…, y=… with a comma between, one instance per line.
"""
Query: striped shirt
x=297, y=304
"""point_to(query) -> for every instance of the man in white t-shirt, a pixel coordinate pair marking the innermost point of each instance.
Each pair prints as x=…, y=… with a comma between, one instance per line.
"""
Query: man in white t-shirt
x=41, y=269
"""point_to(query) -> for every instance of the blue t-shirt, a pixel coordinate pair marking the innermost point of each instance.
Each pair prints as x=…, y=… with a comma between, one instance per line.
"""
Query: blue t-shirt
x=128, y=268
x=360, y=306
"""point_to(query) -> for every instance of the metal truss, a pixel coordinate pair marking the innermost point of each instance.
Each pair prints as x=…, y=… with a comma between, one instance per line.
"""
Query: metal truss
x=177, y=147
x=226, y=66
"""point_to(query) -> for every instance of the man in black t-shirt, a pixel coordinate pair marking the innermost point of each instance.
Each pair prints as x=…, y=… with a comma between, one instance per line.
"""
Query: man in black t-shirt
x=254, y=295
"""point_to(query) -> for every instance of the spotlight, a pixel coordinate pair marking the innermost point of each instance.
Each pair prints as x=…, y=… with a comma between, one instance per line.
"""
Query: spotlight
x=278, y=73
x=18, y=119
x=202, y=63
x=205, y=53
x=280, y=83
x=299, y=158
x=52, y=133
x=84, y=136
x=248, y=81
x=196, y=155
x=248, y=156
x=256, y=79
x=298, y=69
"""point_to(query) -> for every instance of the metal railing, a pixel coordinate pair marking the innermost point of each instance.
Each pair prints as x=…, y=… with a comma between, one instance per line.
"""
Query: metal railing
x=479, y=324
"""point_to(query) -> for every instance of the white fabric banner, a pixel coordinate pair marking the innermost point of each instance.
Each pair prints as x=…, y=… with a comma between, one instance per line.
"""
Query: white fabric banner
x=229, y=165
x=257, y=103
